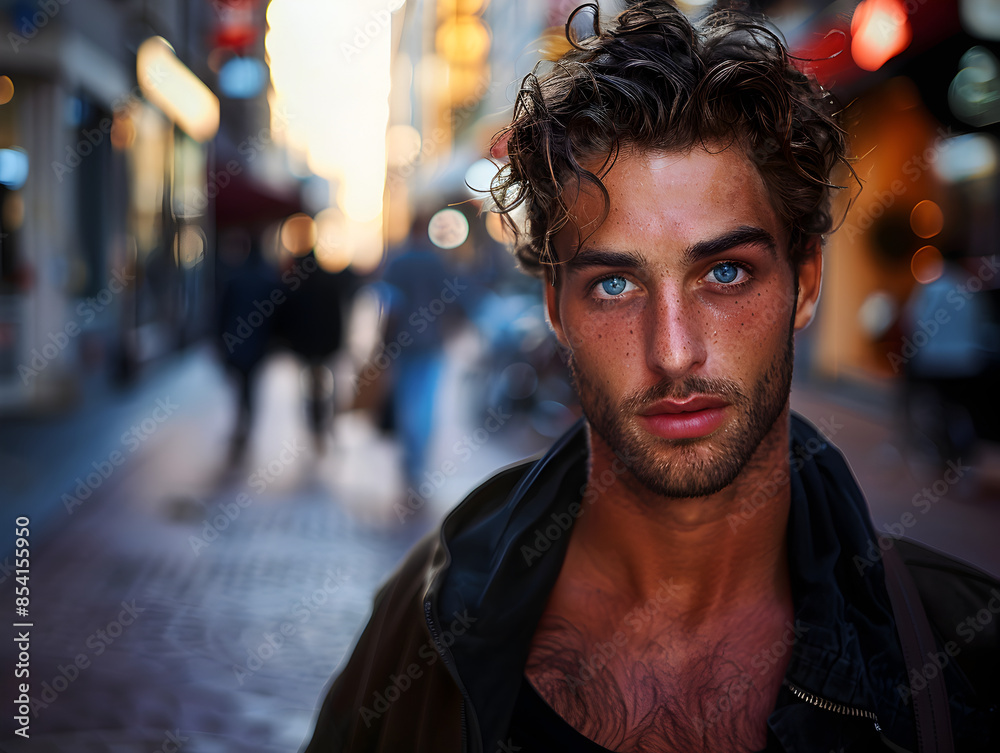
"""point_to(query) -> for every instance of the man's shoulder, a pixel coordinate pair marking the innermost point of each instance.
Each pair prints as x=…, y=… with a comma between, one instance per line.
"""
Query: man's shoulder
x=962, y=601
x=425, y=559
x=490, y=494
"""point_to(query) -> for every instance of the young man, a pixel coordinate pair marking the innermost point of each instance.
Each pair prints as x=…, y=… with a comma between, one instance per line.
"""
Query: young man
x=681, y=571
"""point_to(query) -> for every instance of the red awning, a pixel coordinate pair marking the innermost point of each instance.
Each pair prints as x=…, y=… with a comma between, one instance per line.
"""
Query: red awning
x=249, y=202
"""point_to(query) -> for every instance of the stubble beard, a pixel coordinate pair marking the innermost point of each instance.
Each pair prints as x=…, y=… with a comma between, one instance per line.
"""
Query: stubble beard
x=690, y=467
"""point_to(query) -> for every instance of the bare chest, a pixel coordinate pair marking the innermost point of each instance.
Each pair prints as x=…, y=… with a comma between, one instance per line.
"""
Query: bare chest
x=639, y=691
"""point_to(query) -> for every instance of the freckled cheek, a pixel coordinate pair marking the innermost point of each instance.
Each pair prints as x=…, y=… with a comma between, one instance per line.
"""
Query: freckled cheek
x=759, y=313
x=604, y=344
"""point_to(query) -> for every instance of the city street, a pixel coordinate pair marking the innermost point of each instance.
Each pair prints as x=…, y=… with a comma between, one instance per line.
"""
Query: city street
x=220, y=219
x=184, y=606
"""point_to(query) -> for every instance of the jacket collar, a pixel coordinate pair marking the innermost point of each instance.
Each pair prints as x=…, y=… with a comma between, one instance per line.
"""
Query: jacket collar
x=503, y=560
x=846, y=649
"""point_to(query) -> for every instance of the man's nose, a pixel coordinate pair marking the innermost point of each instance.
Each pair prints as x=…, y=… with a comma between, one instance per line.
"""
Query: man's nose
x=676, y=337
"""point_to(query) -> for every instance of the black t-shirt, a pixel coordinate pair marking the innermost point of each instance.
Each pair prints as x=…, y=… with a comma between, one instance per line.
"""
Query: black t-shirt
x=537, y=728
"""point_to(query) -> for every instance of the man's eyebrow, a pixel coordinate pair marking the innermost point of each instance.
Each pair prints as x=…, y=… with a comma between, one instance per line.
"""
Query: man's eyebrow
x=600, y=257
x=745, y=235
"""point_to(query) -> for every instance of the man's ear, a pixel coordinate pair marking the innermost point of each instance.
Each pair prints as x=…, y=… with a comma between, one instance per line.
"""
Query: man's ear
x=810, y=276
x=552, y=307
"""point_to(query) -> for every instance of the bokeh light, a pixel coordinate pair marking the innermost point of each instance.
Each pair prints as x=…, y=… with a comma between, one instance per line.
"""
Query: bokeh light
x=448, y=228
x=497, y=229
x=171, y=86
x=13, y=167
x=480, y=175
x=927, y=265
x=122, y=130
x=298, y=234
x=463, y=40
x=974, y=94
x=189, y=246
x=332, y=252
x=926, y=219
x=402, y=145
x=880, y=30
x=877, y=313
x=6, y=90
x=328, y=60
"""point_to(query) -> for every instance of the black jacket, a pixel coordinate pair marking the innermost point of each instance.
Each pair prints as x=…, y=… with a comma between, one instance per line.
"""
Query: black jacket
x=439, y=665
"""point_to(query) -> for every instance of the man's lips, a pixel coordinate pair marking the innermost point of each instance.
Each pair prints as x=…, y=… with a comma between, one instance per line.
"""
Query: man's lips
x=688, y=405
x=693, y=417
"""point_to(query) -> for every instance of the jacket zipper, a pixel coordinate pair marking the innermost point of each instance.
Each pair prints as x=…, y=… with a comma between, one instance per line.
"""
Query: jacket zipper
x=446, y=658
x=827, y=705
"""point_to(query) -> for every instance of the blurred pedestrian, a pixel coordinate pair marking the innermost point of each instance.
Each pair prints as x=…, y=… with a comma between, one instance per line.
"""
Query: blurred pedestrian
x=951, y=360
x=311, y=323
x=424, y=304
x=245, y=321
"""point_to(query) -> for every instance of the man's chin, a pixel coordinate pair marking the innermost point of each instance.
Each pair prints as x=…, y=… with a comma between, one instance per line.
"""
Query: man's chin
x=681, y=468
x=685, y=473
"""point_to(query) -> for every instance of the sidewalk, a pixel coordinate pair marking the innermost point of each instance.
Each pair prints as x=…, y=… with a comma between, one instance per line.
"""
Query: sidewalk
x=181, y=604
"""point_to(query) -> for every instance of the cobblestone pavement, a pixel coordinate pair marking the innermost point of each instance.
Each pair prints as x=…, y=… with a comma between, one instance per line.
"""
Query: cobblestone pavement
x=181, y=602
x=182, y=606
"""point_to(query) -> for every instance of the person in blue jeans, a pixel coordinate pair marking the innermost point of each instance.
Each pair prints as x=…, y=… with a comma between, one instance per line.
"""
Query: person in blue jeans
x=424, y=303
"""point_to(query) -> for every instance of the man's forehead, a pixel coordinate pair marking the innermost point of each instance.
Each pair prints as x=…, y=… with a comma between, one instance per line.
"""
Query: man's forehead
x=683, y=198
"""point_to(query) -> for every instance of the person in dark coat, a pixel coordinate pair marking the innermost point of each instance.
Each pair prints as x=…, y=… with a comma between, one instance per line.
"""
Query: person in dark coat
x=247, y=305
x=311, y=323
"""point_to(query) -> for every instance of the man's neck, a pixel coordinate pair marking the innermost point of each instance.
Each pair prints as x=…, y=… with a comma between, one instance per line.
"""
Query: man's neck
x=717, y=555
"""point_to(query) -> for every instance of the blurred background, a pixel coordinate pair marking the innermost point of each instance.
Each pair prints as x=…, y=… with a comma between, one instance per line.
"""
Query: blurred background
x=258, y=331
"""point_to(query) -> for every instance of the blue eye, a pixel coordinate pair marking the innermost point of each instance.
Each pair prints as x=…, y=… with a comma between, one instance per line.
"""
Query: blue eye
x=725, y=272
x=614, y=285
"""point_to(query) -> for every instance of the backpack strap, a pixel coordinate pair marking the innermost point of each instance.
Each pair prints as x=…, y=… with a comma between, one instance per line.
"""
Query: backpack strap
x=930, y=705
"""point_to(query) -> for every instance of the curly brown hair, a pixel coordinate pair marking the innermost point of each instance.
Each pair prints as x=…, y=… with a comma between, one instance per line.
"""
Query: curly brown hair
x=654, y=81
